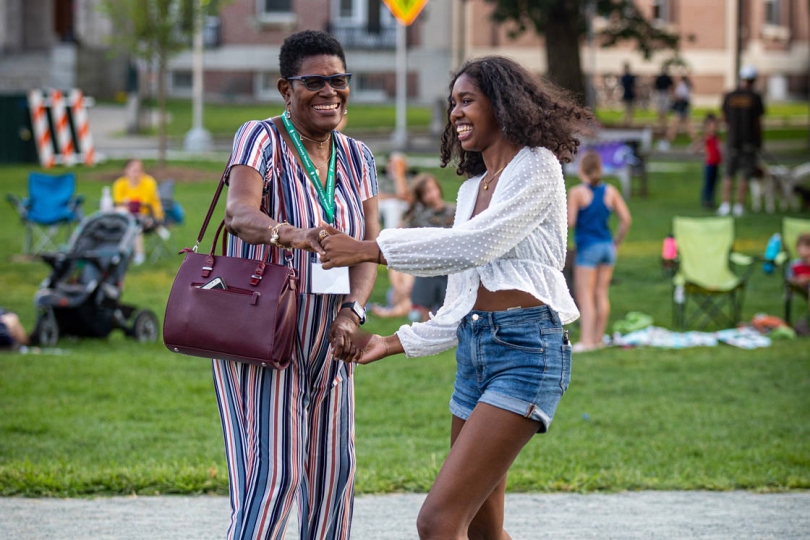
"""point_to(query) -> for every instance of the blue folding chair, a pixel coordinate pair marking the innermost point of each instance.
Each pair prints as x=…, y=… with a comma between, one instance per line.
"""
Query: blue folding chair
x=50, y=210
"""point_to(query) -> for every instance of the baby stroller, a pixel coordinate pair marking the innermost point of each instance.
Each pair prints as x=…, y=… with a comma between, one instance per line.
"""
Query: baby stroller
x=82, y=295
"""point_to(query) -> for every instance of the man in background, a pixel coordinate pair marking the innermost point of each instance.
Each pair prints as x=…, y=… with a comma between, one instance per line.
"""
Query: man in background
x=663, y=91
x=628, y=82
x=742, y=111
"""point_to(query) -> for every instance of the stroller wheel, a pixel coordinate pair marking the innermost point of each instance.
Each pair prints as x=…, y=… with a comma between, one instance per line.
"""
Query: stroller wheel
x=46, y=331
x=145, y=326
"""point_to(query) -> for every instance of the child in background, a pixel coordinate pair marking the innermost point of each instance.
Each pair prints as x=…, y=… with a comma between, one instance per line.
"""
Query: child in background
x=799, y=269
x=711, y=167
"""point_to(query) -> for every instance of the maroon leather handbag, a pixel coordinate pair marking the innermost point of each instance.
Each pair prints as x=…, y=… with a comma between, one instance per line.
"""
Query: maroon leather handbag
x=231, y=308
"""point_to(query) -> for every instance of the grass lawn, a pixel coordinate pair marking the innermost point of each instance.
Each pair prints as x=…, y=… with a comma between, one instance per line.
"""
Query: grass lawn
x=114, y=417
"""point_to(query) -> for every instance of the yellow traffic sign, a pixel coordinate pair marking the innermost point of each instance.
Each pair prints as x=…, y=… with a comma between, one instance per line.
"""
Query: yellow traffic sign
x=405, y=10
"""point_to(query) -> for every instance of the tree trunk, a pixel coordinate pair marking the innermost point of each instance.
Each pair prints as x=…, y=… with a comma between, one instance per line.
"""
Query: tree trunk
x=162, y=142
x=562, y=49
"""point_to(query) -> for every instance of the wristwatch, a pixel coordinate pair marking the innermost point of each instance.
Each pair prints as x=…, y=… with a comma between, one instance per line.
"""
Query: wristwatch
x=357, y=309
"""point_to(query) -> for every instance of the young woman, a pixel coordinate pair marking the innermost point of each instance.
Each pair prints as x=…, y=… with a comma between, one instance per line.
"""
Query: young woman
x=506, y=297
x=589, y=207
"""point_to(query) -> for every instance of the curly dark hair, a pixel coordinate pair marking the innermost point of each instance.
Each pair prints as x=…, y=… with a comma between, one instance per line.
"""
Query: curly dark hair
x=530, y=111
x=302, y=45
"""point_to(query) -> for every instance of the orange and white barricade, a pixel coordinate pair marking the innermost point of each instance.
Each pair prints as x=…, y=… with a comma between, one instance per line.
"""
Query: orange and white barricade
x=56, y=119
x=82, y=126
x=42, y=131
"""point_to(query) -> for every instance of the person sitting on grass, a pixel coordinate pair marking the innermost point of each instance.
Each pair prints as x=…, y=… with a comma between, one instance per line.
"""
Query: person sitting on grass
x=12, y=333
x=428, y=209
x=137, y=193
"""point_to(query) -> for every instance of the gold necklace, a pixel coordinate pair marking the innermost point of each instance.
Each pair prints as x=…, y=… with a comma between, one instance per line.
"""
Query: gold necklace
x=491, y=178
x=320, y=143
x=318, y=168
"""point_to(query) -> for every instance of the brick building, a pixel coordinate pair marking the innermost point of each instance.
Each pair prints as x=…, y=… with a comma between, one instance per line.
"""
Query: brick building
x=65, y=43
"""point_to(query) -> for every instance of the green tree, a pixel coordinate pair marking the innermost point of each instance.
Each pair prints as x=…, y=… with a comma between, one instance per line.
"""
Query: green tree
x=153, y=30
x=564, y=25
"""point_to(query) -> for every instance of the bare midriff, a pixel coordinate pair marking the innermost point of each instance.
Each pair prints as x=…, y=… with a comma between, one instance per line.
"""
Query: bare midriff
x=502, y=300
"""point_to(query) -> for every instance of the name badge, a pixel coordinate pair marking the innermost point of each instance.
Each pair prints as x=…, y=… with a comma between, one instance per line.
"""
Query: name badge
x=332, y=281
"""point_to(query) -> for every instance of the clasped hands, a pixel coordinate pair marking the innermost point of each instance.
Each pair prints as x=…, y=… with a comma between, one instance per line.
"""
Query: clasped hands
x=351, y=344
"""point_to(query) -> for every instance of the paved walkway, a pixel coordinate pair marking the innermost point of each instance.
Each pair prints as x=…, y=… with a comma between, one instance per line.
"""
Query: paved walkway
x=658, y=515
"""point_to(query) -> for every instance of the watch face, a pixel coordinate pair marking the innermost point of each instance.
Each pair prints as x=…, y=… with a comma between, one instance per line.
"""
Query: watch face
x=361, y=313
x=357, y=309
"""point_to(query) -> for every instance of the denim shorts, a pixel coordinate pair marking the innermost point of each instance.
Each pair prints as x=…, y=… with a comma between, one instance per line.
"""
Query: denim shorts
x=596, y=254
x=518, y=360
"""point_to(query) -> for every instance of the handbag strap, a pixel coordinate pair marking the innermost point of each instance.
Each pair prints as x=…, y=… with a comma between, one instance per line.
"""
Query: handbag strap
x=218, y=193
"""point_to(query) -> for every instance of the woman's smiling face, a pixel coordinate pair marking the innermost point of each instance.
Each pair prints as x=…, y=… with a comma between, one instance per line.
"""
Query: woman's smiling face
x=320, y=111
x=471, y=114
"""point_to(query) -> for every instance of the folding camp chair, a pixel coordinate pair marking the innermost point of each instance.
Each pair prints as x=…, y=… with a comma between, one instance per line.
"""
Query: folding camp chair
x=706, y=274
x=159, y=241
x=50, y=210
x=791, y=229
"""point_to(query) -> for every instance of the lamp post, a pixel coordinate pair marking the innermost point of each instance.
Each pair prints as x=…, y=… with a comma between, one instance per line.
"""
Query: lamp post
x=198, y=139
x=400, y=137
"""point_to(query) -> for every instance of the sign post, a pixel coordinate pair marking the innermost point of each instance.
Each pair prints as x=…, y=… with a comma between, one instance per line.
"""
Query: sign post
x=405, y=12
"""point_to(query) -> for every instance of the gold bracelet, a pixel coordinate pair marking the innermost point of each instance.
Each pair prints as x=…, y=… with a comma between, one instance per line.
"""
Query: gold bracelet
x=274, y=235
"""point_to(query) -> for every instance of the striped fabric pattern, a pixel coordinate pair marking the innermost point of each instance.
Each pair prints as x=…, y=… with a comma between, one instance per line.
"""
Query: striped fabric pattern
x=289, y=435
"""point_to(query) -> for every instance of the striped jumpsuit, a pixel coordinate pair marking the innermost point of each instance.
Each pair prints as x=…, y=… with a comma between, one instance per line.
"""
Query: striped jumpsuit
x=289, y=435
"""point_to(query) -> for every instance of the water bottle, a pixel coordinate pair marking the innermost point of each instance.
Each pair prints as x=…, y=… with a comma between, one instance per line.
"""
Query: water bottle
x=680, y=294
x=106, y=204
x=771, y=251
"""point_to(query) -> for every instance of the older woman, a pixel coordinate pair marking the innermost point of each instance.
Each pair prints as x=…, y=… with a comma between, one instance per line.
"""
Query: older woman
x=289, y=435
x=506, y=299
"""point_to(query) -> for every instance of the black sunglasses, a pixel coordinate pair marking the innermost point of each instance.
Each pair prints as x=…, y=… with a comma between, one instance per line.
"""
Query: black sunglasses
x=316, y=82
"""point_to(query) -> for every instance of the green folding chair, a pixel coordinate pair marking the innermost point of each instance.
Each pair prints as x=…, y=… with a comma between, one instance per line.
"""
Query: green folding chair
x=791, y=229
x=709, y=284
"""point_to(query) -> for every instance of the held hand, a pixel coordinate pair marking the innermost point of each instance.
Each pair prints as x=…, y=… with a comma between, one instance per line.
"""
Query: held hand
x=370, y=348
x=305, y=239
x=374, y=350
x=340, y=337
x=341, y=249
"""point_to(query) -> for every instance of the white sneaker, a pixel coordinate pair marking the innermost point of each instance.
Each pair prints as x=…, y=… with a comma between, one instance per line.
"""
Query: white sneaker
x=138, y=259
x=738, y=209
x=662, y=145
x=724, y=209
x=581, y=347
x=164, y=233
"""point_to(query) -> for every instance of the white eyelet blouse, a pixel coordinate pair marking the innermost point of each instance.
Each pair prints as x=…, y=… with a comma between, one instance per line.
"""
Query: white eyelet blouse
x=518, y=242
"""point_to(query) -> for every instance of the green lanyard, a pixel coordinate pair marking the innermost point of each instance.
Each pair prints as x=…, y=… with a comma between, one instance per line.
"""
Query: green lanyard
x=327, y=198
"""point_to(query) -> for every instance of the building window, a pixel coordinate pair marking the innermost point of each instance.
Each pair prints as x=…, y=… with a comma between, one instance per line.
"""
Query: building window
x=277, y=6
x=772, y=12
x=275, y=11
x=346, y=9
x=662, y=10
x=181, y=80
x=266, y=86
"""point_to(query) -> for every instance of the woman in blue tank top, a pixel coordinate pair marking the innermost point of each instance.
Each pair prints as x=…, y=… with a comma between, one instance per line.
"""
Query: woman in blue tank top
x=589, y=207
